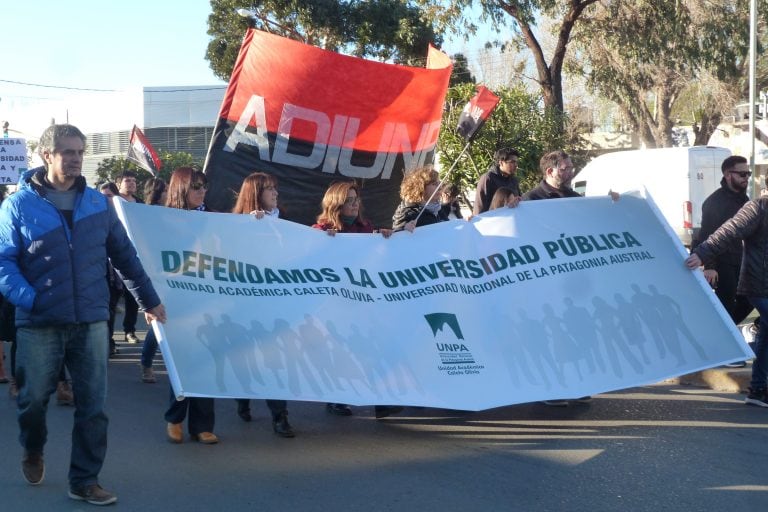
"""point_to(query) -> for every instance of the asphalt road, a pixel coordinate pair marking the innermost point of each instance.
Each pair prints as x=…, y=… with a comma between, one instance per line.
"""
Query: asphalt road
x=656, y=448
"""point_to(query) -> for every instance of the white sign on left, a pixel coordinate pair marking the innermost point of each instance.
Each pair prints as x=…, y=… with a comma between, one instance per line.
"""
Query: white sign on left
x=13, y=160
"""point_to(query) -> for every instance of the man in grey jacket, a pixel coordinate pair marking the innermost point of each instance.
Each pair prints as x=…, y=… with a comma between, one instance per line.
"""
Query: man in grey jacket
x=55, y=236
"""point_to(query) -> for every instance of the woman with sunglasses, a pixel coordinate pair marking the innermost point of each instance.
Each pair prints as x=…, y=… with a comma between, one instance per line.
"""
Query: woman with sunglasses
x=342, y=212
x=258, y=197
x=186, y=191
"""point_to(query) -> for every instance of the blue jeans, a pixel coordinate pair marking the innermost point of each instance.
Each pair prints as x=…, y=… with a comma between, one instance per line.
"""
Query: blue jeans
x=760, y=364
x=149, y=349
x=41, y=352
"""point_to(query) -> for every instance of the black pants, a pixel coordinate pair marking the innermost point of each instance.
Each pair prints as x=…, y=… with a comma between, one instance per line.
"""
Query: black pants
x=199, y=411
x=131, y=312
x=114, y=298
x=737, y=306
x=276, y=407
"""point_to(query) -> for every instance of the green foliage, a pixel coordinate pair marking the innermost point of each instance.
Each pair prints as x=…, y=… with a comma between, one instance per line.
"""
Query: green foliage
x=519, y=121
x=461, y=73
x=645, y=70
x=392, y=30
x=110, y=168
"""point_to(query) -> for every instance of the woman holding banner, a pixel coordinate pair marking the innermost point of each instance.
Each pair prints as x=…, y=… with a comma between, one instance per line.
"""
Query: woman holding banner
x=420, y=203
x=342, y=212
x=258, y=197
x=186, y=191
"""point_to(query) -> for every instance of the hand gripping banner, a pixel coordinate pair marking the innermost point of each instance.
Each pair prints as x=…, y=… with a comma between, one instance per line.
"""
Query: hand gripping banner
x=311, y=117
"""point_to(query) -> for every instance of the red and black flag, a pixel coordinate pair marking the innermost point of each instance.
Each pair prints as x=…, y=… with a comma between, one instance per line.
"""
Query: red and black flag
x=311, y=117
x=141, y=152
x=476, y=112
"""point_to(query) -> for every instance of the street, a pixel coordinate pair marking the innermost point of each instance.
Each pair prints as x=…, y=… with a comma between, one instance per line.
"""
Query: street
x=660, y=447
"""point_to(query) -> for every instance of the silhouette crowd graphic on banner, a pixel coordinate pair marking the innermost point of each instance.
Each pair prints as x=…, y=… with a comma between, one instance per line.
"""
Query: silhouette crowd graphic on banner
x=570, y=340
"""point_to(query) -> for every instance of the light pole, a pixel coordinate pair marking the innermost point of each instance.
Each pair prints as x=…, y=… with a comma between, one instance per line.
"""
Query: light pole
x=752, y=89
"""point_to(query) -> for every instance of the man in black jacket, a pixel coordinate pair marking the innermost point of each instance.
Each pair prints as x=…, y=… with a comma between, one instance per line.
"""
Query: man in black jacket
x=557, y=172
x=500, y=174
x=722, y=272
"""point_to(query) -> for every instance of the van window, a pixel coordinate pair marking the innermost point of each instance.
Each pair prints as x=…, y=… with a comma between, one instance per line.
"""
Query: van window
x=580, y=186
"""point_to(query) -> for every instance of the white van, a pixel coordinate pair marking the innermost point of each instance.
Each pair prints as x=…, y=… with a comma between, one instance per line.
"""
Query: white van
x=678, y=179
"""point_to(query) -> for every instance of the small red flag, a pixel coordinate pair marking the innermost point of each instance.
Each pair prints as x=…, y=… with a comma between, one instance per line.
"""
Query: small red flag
x=141, y=152
x=476, y=112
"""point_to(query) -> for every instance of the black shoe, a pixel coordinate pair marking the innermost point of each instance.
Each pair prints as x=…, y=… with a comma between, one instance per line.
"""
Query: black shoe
x=281, y=426
x=93, y=494
x=244, y=411
x=758, y=397
x=338, y=409
x=382, y=411
x=33, y=468
x=737, y=364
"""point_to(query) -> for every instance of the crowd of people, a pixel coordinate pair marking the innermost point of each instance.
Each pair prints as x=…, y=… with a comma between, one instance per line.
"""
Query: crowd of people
x=61, y=337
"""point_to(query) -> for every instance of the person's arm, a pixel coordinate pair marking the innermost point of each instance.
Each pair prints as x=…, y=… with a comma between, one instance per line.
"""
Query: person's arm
x=482, y=201
x=122, y=254
x=13, y=285
x=742, y=225
x=709, y=223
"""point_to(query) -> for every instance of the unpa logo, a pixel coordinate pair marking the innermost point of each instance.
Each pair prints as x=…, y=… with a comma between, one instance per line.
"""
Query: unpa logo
x=449, y=340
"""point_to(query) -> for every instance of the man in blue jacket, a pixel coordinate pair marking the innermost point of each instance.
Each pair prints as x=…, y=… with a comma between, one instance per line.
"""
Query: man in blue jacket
x=55, y=236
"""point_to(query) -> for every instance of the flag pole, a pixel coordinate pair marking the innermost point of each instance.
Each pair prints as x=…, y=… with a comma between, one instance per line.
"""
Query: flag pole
x=442, y=181
x=471, y=120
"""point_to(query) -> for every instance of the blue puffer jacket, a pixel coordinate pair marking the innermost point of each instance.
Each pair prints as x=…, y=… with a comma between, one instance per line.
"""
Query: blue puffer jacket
x=55, y=275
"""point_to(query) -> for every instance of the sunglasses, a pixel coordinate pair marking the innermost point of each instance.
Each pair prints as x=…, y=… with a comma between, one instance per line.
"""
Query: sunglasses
x=742, y=174
x=198, y=186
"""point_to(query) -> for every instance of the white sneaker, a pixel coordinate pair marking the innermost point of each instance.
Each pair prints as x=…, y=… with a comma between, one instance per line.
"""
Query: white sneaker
x=749, y=332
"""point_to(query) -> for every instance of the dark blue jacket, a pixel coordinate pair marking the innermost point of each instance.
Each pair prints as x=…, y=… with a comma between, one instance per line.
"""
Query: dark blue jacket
x=55, y=275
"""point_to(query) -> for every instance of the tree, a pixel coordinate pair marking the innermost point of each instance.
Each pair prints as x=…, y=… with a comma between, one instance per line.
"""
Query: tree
x=461, y=73
x=523, y=14
x=518, y=121
x=110, y=168
x=392, y=30
x=699, y=56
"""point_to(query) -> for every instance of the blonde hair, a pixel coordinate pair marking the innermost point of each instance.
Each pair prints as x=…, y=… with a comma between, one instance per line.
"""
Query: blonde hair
x=333, y=202
x=414, y=183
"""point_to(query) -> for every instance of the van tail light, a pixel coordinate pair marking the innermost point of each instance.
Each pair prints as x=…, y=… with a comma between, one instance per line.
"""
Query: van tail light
x=687, y=215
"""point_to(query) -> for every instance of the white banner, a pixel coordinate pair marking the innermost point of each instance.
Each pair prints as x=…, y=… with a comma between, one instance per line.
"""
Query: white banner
x=553, y=299
x=13, y=160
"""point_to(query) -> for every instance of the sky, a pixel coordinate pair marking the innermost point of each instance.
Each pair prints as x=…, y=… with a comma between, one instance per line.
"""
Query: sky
x=51, y=45
x=95, y=44
x=102, y=44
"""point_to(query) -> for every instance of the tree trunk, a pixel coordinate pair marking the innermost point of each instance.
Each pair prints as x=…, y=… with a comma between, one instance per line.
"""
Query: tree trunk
x=550, y=75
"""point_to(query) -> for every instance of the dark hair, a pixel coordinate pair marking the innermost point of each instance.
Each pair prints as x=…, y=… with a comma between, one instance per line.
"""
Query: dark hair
x=181, y=179
x=504, y=154
x=500, y=197
x=730, y=162
x=125, y=174
x=49, y=140
x=153, y=190
x=109, y=186
x=249, y=197
x=551, y=160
